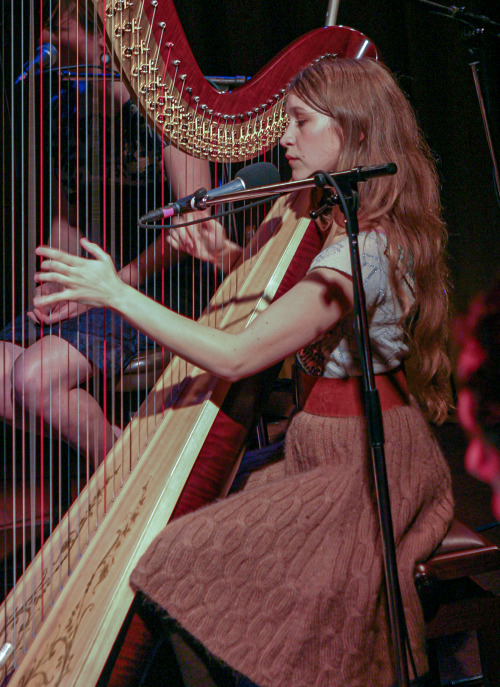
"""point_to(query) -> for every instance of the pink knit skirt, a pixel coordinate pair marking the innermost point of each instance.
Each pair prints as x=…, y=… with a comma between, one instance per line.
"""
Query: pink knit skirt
x=284, y=580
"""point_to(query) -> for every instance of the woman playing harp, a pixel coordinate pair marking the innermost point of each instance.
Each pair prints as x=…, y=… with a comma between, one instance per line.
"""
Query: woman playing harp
x=283, y=582
x=77, y=342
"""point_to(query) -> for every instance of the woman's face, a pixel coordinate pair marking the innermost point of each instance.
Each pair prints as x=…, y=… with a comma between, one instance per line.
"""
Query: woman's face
x=311, y=140
x=74, y=43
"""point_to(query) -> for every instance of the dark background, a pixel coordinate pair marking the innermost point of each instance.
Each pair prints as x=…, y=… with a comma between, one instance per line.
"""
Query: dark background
x=426, y=51
x=430, y=57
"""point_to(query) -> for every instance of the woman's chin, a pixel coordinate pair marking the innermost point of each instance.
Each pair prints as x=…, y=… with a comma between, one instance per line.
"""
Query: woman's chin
x=299, y=175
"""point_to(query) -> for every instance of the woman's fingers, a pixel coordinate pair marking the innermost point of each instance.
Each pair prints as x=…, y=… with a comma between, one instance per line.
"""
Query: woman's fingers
x=55, y=272
x=81, y=280
x=53, y=277
x=60, y=312
x=35, y=315
x=200, y=241
x=64, y=258
x=41, y=302
x=40, y=317
x=56, y=255
x=94, y=249
x=181, y=239
x=58, y=264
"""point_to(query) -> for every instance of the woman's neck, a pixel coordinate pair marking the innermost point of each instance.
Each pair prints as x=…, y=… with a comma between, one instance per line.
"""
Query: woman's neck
x=335, y=234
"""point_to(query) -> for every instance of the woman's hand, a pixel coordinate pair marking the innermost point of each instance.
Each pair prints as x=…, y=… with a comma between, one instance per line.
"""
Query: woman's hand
x=59, y=312
x=202, y=240
x=90, y=282
x=206, y=241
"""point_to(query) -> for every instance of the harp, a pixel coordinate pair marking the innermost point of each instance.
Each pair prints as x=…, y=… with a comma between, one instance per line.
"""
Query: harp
x=61, y=617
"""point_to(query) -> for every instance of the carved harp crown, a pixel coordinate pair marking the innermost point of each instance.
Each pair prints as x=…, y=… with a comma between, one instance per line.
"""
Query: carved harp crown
x=155, y=59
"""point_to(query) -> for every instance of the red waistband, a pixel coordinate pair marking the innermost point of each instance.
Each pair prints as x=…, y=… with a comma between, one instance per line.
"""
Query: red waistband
x=331, y=397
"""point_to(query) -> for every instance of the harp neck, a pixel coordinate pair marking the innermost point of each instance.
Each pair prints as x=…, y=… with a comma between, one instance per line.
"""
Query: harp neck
x=154, y=57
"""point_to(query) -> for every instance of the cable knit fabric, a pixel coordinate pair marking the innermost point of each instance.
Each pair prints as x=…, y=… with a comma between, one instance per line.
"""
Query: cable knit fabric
x=284, y=580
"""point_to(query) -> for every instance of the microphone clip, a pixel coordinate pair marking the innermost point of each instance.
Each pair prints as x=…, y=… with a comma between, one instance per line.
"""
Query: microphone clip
x=328, y=202
x=198, y=201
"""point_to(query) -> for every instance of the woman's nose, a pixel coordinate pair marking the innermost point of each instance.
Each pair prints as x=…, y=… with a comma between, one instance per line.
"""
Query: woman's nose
x=287, y=138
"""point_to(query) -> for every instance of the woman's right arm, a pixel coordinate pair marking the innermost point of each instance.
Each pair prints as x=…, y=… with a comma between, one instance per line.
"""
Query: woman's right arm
x=311, y=307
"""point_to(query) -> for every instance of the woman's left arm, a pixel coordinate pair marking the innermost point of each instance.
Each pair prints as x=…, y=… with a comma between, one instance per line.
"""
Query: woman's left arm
x=185, y=173
x=205, y=240
x=299, y=317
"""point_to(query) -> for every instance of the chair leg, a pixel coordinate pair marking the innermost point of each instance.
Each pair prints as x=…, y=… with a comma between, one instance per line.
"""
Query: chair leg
x=434, y=679
x=162, y=667
x=488, y=637
x=262, y=435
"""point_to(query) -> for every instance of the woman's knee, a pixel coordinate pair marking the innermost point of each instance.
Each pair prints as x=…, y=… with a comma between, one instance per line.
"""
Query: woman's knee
x=27, y=380
x=43, y=371
x=8, y=354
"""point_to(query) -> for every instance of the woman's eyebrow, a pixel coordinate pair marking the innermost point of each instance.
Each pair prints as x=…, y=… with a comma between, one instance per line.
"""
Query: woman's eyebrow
x=297, y=109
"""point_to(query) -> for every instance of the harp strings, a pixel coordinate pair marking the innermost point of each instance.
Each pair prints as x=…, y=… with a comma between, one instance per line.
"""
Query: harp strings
x=112, y=180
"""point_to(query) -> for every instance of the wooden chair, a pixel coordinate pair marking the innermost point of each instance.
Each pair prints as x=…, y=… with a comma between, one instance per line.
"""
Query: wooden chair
x=455, y=599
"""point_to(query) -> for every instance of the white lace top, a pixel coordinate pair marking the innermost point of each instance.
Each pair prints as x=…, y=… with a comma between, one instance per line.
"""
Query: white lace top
x=337, y=352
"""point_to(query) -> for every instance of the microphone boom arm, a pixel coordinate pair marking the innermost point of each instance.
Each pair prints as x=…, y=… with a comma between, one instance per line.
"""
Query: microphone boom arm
x=355, y=175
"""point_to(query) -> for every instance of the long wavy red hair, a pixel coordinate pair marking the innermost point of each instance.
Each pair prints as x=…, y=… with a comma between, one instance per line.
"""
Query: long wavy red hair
x=377, y=125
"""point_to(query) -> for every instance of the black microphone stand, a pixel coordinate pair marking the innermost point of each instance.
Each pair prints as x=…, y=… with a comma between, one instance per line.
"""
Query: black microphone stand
x=346, y=187
x=474, y=28
x=472, y=38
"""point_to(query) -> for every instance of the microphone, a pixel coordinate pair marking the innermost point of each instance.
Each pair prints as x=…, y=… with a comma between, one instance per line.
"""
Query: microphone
x=320, y=180
x=258, y=174
x=45, y=56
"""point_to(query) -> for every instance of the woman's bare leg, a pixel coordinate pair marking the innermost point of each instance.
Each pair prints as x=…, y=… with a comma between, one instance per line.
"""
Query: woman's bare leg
x=8, y=354
x=47, y=380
